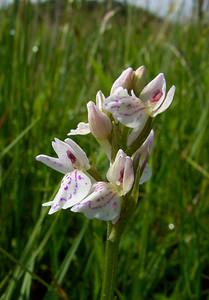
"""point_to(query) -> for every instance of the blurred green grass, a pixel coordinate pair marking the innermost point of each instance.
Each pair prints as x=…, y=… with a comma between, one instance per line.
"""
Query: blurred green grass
x=52, y=60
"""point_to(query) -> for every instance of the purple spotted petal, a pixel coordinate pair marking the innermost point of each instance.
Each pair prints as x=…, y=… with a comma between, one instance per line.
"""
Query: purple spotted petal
x=103, y=204
x=153, y=94
x=125, y=108
x=167, y=102
x=54, y=163
x=74, y=187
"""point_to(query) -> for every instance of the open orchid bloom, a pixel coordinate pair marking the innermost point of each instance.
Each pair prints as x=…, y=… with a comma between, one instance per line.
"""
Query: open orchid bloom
x=104, y=202
x=132, y=111
x=71, y=161
x=121, y=172
x=154, y=95
x=70, y=156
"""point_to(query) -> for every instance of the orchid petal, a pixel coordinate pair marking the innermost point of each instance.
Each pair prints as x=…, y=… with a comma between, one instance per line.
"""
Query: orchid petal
x=74, y=187
x=99, y=123
x=124, y=80
x=148, y=143
x=79, y=154
x=146, y=174
x=133, y=135
x=100, y=98
x=167, y=102
x=64, y=153
x=102, y=204
x=128, y=175
x=154, y=92
x=54, y=163
x=125, y=108
x=116, y=169
x=82, y=129
x=142, y=155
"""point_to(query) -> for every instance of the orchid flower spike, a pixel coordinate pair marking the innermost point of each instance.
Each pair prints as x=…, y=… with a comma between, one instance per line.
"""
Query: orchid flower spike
x=104, y=203
x=73, y=162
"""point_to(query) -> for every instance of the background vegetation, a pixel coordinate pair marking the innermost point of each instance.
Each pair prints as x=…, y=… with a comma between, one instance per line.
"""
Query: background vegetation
x=53, y=58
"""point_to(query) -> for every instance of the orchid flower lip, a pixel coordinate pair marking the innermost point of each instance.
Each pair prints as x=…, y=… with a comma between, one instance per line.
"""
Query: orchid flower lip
x=125, y=108
x=103, y=203
x=74, y=187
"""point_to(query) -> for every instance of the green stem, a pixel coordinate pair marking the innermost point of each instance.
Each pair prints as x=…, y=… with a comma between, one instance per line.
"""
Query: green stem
x=110, y=266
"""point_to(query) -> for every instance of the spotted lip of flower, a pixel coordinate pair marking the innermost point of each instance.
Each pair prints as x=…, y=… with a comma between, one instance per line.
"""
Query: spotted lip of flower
x=104, y=202
x=132, y=111
x=71, y=161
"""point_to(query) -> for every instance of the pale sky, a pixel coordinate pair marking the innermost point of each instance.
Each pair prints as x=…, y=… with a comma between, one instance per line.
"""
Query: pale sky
x=159, y=7
x=163, y=7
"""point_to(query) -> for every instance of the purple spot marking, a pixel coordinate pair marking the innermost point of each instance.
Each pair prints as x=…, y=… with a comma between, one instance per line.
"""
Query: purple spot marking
x=62, y=200
x=157, y=95
x=76, y=184
x=71, y=156
x=133, y=112
x=65, y=188
x=121, y=175
x=103, y=203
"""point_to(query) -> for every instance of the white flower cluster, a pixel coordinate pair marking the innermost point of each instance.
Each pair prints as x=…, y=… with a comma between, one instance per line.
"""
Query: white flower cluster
x=121, y=123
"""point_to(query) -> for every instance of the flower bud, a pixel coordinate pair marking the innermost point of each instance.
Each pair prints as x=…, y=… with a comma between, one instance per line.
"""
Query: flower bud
x=99, y=123
x=121, y=172
x=124, y=80
x=139, y=80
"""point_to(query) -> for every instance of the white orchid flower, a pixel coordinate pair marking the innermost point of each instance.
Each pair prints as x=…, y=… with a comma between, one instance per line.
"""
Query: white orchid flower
x=73, y=162
x=104, y=202
x=154, y=95
x=133, y=111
